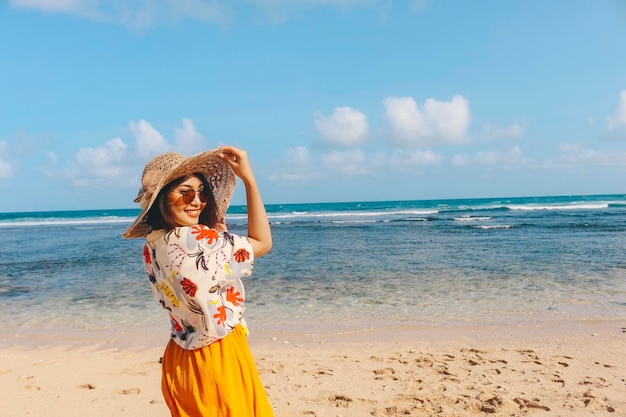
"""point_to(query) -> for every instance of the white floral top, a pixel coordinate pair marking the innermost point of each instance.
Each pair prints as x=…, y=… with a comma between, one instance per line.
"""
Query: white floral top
x=195, y=273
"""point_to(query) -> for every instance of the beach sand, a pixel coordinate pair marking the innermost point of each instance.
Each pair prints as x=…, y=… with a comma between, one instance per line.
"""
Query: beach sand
x=569, y=369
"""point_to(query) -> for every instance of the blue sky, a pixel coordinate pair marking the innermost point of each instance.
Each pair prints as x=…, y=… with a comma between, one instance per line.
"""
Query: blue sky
x=334, y=100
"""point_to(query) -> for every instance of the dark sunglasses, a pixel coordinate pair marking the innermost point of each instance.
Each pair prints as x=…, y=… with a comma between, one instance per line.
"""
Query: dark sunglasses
x=189, y=195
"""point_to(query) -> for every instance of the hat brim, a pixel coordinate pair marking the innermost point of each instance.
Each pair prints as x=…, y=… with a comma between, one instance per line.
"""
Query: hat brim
x=209, y=164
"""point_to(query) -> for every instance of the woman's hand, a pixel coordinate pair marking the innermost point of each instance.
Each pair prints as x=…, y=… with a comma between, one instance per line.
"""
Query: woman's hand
x=238, y=161
x=259, y=233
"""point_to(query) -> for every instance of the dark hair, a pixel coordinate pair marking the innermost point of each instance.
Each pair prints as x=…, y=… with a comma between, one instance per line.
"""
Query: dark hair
x=160, y=217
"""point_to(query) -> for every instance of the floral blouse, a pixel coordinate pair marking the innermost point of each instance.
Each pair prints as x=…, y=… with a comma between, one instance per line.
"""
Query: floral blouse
x=195, y=273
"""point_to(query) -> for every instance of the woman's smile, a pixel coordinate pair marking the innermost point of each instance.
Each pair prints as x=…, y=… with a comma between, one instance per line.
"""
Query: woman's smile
x=186, y=201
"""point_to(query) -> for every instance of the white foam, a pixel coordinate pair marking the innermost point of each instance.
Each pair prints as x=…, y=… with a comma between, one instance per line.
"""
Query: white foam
x=471, y=218
x=65, y=222
x=573, y=206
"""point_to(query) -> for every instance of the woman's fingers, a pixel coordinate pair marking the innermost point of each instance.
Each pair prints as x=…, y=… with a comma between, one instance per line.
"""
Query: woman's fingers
x=236, y=158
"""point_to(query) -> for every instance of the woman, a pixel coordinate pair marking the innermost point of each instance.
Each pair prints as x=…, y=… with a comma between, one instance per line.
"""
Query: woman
x=195, y=268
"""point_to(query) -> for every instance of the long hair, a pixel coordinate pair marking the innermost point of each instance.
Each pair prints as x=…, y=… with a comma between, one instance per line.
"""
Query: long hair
x=160, y=216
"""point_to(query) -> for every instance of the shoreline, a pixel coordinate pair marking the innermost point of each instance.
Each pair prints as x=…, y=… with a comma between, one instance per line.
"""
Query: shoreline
x=561, y=369
x=132, y=338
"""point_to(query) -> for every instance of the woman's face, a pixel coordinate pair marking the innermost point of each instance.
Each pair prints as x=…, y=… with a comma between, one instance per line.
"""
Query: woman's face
x=186, y=201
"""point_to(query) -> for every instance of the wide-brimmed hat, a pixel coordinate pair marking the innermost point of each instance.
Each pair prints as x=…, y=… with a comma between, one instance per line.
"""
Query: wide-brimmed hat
x=167, y=167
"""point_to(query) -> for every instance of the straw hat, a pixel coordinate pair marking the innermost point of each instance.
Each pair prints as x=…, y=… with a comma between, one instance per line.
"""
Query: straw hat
x=167, y=167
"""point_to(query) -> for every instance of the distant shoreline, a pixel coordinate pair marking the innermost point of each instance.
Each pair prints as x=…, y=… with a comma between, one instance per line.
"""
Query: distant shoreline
x=240, y=208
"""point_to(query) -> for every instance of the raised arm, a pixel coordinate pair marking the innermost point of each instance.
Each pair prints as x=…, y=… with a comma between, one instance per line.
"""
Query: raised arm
x=259, y=232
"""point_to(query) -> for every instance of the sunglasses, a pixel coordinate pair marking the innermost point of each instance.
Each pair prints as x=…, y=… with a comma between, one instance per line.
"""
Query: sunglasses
x=189, y=195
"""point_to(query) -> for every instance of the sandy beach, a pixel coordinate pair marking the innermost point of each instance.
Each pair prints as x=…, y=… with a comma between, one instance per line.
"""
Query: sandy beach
x=573, y=369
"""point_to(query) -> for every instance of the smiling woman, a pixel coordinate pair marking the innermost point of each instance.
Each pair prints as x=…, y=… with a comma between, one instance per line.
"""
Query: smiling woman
x=185, y=202
x=195, y=268
x=166, y=173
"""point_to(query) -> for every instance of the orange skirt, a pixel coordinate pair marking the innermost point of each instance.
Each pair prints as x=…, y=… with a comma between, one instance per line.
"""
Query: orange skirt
x=219, y=380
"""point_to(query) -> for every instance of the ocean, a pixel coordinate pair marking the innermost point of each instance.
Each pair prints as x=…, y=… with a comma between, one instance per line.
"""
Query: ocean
x=334, y=267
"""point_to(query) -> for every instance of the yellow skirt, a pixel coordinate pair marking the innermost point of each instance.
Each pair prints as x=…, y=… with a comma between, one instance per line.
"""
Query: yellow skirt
x=219, y=380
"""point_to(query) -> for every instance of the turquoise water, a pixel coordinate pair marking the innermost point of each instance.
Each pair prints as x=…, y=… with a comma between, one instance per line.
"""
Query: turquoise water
x=337, y=266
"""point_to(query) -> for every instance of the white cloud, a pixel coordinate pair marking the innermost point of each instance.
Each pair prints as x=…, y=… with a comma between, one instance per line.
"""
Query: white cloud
x=206, y=11
x=51, y=5
x=140, y=14
x=460, y=160
x=576, y=156
x=342, y=4
x=188, y=140
x=6, y=169
x=513, y=131
x=439, y=122
x=149, y=141
x=115, y=163
x=617, y=121
x=4, y=148
x=346, y=127
x=53, y=157
x=279, y=8
x=350, y=163
x=298, y=157
x=507, y=159
x=419, y=5
x=105, y=163
x=402, y=160
x=133, y=13
x=297, y=166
